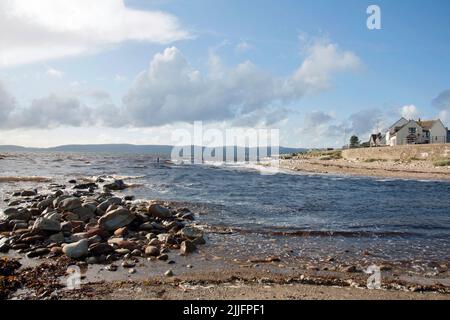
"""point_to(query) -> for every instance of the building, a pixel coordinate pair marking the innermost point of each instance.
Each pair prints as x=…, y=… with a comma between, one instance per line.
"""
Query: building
x=377, y=140
x=416, y=132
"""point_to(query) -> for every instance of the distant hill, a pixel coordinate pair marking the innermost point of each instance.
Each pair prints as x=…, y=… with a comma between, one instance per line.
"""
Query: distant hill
x=115, y=148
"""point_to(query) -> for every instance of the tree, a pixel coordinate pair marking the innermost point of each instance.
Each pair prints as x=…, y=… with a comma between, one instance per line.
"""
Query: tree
x=354, y=142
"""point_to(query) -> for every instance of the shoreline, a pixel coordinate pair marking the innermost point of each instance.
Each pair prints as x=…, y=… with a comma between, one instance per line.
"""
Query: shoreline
x=212, y=271
x=409, y=170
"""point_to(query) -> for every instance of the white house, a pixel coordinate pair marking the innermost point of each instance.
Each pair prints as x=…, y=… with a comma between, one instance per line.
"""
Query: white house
x=416, y=132
x=434, y=131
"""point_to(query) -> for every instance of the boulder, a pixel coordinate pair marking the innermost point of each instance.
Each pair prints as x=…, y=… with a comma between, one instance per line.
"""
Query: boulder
x=69, y=204
x=116, y=219
x=85, y=186
x=45, y=224
x=85, y=213
x=13, y=213
x=187, y=247
x=77, y=250
x=116, y=185
x=191, y=233
x=98, y=249
x=105, y=204
x=28, y=193
x=157, y=211
x=152, y=251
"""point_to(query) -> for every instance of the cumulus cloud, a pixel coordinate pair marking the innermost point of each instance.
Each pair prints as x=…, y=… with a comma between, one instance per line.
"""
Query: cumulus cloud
x=51, y=112
x=410, y=112
x=33, y=31
x=172, y=90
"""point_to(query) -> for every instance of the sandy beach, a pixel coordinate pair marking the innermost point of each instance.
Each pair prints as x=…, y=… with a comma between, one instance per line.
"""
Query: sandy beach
x=413, y=169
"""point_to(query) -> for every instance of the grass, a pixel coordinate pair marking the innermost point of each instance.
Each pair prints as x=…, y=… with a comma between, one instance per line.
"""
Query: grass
x=374, y=160
x=441, y=163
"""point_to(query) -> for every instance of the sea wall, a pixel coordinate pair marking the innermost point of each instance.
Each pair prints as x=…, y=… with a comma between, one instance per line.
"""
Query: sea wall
x=405, y=152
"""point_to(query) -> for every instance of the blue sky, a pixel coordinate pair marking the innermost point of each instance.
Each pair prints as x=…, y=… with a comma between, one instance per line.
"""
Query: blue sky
x=311, y=68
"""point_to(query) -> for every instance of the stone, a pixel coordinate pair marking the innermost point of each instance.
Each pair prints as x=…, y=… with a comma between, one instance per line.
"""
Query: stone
x=56, y=251
x=98, y=249
x=44, y=204
x=169, y=273
x=154, y=242
x=45, y=224
x=14, y=213
x=97, y=231
x=188, y=216
x=152, y=251
x=116, y=219
x=116, y=185
x=350, y=269
x=121, y=232
x=132, y=271
x=57, y=238
x=157, y=211
x=136, y=253
x=122, y=252
x=187, y=247
x=105, y=204
x=28, y=193
x=163, y=257
x=66, y=227
x=85, y=213
x=128, y=264
x=125, y=244
x=69, y=204
x=111, y=268
x=38, y=253
x=166, y=238
x=85, y=186
x=70, y=216
x=191, y=233
x=77, y=250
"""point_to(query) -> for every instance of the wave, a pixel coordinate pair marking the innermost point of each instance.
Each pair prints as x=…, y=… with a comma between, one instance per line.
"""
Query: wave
x=24, y=179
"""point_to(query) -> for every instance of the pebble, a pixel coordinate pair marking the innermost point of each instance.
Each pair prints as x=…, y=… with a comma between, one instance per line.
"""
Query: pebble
x=169, y=273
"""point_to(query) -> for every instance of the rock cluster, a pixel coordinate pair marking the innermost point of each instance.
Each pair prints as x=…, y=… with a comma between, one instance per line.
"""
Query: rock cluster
x=97, y=227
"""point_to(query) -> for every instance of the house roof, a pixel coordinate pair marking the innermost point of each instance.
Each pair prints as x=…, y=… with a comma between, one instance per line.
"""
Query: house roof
x=426, y=124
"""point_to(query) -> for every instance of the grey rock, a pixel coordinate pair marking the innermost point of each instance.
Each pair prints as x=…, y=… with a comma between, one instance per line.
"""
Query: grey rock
x=70, y=204
x=77, y=250
x=44, y=224
x=157, y=211
x=116, y=219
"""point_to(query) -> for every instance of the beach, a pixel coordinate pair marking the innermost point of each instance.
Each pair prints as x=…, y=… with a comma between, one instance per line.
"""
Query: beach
x=396, y=169
x=134, y=228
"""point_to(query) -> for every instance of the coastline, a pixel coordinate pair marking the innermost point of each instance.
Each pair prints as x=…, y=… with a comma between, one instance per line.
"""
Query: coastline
x=411, y=170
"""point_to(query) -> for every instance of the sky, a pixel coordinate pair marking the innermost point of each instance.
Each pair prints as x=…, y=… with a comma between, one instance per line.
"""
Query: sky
x=135, y=71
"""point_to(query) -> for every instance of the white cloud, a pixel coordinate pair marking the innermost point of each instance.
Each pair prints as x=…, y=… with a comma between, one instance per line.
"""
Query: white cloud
x=323, y=59
x=32, y=31
x=53, y=73
x=51, y=112
x=172, y=90
x=410, y=112
x=243, y=46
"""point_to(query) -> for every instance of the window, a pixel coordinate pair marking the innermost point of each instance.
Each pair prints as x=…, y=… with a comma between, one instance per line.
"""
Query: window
x=412, y=130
